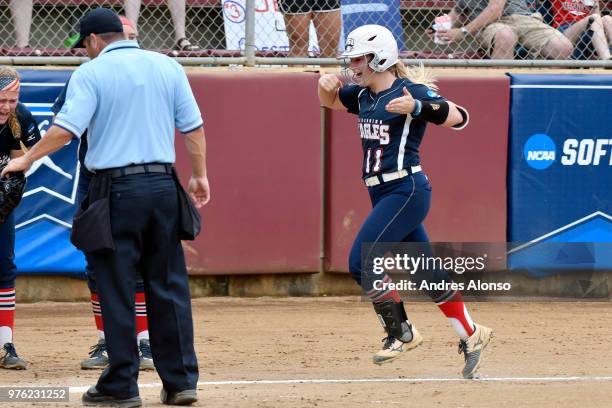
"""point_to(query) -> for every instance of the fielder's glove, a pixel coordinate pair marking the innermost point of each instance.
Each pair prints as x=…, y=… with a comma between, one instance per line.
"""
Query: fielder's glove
x=11, y=191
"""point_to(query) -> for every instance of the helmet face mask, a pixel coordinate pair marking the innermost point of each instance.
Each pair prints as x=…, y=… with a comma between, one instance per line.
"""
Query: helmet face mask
x=357, y=70
x=373, y=40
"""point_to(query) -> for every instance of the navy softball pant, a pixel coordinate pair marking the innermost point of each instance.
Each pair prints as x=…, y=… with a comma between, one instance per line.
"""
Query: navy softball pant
x=399, y=209
x=8, y=270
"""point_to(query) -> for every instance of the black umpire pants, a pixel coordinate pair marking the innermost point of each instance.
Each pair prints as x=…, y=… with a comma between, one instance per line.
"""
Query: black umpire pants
x=144, y=223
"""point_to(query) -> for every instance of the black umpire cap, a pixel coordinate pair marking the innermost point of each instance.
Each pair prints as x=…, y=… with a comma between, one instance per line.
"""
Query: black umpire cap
x=98, y=21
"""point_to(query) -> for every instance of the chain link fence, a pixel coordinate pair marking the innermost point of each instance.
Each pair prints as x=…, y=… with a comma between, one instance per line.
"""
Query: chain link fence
x=451, y=30
x=41, y=27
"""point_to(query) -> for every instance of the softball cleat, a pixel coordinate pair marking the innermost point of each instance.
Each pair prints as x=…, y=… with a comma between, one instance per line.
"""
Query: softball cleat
x=146, y=358
x=98, y=357
x=472, y=349
x=10, y=359
x=394, y=347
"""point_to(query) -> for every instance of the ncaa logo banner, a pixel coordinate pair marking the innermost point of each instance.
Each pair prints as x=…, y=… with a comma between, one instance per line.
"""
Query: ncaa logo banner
x=559, y=176
x=43, y=220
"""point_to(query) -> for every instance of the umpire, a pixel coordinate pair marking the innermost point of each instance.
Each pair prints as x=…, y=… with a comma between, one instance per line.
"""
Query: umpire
x=131, y=100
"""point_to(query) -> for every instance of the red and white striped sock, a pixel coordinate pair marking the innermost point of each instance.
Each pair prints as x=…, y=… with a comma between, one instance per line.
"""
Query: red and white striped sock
x=379, y=296
x=455, y=310
x=7, y=315
x=142, y=326
x=97, y=311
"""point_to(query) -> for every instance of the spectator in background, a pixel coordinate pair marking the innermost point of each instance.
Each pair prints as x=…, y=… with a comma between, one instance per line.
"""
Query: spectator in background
x=21, y=12
x=129, y=29
x=178, y=13
x=574, y=18
x=499, y=25
x=325, y=15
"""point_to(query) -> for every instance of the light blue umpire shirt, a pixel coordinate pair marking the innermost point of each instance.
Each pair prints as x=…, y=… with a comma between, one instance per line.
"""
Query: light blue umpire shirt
x=131, y=100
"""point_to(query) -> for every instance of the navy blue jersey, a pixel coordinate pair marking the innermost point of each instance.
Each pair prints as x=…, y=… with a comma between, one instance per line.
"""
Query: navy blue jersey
x=390, y=141
x=29, y=133
x=57, y=106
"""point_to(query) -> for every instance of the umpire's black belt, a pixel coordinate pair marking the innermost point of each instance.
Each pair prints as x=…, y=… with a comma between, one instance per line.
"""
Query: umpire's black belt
x=140, y=169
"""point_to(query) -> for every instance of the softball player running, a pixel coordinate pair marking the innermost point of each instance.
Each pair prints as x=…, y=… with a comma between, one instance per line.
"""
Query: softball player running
x=394, y=104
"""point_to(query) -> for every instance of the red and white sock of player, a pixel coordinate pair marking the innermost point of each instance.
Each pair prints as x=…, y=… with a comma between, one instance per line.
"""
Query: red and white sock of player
x=95, y=307
x=457, y=313
x=379, y=296
x=7, y=315
x=142, y=327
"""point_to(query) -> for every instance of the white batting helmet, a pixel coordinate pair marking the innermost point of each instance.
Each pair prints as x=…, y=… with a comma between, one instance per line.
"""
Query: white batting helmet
x=376, y=40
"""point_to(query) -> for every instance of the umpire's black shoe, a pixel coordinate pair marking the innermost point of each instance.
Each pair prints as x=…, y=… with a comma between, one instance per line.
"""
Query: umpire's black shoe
x=186, y=397
x=93, y=397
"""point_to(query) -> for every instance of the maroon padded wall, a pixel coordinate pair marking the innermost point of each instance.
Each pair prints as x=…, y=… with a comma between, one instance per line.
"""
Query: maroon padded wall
x=264, y=152
x=264, y=169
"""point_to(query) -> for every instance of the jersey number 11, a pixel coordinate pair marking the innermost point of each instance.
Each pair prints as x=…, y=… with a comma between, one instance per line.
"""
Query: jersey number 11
x=376, y=158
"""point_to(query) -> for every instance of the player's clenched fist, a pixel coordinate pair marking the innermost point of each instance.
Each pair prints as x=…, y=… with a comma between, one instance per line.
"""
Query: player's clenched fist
x=329, y=82
x=328, y=91
x=403, y=105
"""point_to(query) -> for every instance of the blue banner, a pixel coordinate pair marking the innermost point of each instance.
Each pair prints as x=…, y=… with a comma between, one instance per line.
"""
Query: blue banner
x=560, y=172
x=356, y=13
x=44, y=217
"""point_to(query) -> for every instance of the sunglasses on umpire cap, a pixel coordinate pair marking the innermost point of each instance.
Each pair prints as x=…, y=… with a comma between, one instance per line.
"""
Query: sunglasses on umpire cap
x=97, y=21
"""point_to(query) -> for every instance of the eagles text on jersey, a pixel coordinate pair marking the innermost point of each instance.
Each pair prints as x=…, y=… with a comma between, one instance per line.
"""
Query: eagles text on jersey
x=390, y=141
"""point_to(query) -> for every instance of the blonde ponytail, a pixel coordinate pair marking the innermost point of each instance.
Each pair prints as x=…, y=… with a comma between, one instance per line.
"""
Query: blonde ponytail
x=416, y=73
x=13, y=123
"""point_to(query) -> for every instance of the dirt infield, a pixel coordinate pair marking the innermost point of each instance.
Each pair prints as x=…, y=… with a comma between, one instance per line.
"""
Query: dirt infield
x=543, y=355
